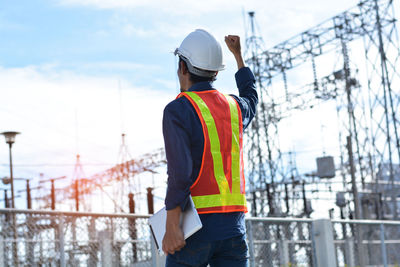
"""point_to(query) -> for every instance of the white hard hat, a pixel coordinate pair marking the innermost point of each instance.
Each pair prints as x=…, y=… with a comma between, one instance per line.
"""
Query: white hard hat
x=203, y=52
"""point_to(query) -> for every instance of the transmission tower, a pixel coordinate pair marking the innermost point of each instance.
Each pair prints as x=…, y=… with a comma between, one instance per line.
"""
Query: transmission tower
x=127, y=183
x=361, y=47
x=108, y=181
x=78, y=182
x=262, y=135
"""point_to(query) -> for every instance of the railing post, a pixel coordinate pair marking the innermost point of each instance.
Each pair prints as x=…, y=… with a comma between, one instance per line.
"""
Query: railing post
x=156, y=259
x=2, y=259
x=251, y=243
x=29, y=246
x=61, y=238
x=313, y=245
x=323, y=243
x=383, y=246
x=93, y=248
x=360, y=246
x=105, y=248
x=15, y=240
x=284, y=253
x=349, y=252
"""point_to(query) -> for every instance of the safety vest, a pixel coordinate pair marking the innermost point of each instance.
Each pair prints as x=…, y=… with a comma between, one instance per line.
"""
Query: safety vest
x=220, y=185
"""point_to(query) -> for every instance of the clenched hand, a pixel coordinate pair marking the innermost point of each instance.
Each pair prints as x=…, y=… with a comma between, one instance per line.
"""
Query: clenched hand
x=233, y=43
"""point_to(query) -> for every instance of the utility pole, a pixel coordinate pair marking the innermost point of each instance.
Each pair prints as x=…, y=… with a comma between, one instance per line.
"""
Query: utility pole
x=53, y=196
x=52, y=190
x=76, y=185
x=28, y=196
x=28, y=191
x=344, y=232
x=6, y=202
x=150, y=200
x=254, y=208
x=270, y=200
x=306, y=211
x=287, y=199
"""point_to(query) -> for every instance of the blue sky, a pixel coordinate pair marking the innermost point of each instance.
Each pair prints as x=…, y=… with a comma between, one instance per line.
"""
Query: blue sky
x=82, y=39
x=65, y=57
x=78, y=35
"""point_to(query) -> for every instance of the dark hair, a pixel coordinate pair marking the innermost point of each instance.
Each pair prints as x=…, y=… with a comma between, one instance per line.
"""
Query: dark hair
x=195, y=78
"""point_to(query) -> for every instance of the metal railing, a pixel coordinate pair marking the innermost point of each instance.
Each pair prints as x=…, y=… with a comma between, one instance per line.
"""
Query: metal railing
x=292, y=242
x=279, y=241
x=378, y=243
x=53, y=238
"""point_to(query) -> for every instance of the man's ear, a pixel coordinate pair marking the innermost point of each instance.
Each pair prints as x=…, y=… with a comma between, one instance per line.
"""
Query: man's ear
x=182, y=67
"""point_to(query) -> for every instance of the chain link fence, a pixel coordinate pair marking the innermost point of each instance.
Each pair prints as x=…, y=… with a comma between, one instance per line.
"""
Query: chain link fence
x=51, y=238
x=292, y=242
x=45, y=238
x=367, y=243
x=280, y=242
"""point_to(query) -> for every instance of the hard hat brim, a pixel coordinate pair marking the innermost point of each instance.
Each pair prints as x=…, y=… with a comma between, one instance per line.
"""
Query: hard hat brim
x=179, y=52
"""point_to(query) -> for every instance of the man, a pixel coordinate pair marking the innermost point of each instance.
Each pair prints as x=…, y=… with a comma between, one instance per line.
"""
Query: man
x=203, y=131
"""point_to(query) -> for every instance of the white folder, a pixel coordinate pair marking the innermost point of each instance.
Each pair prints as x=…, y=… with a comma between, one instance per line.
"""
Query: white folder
x=190, y=223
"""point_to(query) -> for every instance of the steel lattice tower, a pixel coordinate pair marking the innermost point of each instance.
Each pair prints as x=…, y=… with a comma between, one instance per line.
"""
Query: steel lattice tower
x=364, y=83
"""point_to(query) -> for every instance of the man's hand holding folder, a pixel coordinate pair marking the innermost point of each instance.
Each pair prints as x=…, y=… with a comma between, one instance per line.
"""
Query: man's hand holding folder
x=173, y=239
x=171, y=228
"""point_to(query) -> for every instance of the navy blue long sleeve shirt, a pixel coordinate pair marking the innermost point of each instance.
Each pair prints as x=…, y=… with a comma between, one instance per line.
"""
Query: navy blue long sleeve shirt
x=184, y=144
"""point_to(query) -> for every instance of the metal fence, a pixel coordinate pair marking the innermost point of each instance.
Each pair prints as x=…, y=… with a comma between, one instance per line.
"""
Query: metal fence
x=280, y=241
x=47, y=238
x=299, y=242
x=51, y=238
x=367, y=242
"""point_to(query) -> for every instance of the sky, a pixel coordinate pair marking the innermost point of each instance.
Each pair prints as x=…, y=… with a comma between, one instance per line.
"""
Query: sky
x=75, y=74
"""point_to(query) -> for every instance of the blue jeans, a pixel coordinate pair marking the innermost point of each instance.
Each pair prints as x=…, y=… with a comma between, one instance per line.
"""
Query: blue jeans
x=232, y=252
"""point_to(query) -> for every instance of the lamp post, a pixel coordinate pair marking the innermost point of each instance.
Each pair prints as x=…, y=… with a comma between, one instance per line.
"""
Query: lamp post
x=10, y=140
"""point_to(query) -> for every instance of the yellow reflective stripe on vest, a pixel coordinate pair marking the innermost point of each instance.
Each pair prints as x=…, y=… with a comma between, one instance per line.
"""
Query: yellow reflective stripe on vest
x=235, y=151
x=214, y=144
x=225, y=198
x=219, y=200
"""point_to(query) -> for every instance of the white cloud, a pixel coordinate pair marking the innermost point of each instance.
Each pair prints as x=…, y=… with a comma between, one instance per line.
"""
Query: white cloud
x=41, y=103
x=131, y=30
x=196, y=8
x=174, y=6
x=118, y=66
x=157, y=20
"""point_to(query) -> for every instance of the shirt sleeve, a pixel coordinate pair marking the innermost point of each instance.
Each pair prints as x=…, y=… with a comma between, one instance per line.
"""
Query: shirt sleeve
x=248, y=97
x=179, y=158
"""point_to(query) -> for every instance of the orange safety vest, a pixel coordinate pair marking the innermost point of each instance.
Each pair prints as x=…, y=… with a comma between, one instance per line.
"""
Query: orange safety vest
x=220, y=185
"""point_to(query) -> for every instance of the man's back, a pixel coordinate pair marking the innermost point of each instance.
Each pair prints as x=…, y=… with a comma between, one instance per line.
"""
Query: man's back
x=185, y=134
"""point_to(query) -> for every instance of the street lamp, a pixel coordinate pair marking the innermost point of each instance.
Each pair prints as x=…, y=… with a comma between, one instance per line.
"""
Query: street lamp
x=10, y=140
